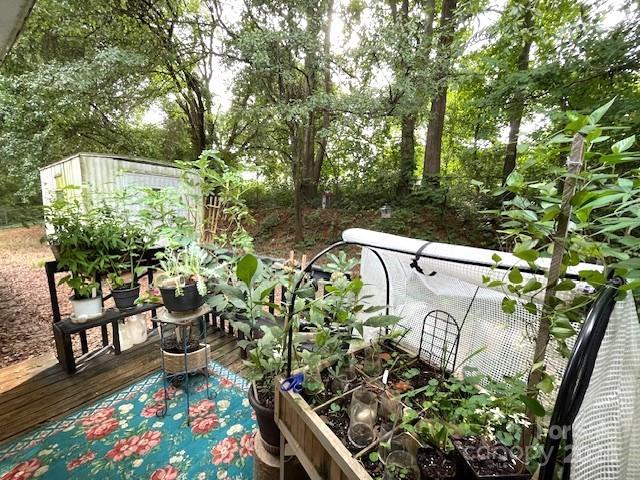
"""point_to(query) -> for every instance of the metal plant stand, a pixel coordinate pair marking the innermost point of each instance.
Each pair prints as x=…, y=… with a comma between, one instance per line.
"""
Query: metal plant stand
x=182, y=324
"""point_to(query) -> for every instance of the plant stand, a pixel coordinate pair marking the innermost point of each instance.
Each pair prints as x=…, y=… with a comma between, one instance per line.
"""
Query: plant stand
x=193, y=362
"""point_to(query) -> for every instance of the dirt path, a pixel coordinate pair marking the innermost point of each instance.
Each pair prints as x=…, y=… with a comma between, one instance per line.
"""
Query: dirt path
x=25, y=309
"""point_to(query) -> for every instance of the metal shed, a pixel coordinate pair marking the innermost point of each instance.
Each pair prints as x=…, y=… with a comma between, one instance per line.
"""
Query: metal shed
x=102, y=174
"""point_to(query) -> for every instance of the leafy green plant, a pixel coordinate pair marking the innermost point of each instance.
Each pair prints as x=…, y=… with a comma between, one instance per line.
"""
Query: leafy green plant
x=86, y=238
x=183, y=266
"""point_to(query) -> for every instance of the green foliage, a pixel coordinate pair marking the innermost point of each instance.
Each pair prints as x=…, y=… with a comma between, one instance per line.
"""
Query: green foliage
x=603, y=223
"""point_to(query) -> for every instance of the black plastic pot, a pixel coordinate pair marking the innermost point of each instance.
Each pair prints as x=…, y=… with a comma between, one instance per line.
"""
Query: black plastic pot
x=187, y=302
x=433, y=456
x=466, y=470
x=269, y=431
x=125, y=298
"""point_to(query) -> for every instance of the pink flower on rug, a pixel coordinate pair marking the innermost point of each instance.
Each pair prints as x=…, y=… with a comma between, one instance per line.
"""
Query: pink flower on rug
x=201, y=408
x=165, y=473
x=148, y=440
x=202, y=425
x=246, y=445
x=159, y=395
x=98, y=416
x=224, y=451
x=87, y=457
x=23, y=470
x=123, y=448
x=98, y=431
x=152, y=410
x=226, y=383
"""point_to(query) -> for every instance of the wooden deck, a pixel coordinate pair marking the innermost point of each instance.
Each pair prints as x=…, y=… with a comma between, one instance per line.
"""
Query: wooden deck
x=38, y=390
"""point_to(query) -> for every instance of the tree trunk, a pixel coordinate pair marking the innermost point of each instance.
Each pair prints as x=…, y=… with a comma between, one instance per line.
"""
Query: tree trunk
x=326, y=119
x=296, y=136
x=517, y=109
x=435, y=128
x=407, y=155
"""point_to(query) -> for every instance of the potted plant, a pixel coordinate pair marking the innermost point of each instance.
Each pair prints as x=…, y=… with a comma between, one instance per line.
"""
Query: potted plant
x=245, y=295
x=81, y=250
x=182, y=282
x=133, y=242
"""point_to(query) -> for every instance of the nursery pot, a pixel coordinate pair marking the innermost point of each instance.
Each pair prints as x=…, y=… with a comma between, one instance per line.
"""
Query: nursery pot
x=466, y=464
x=188, y=301
x=86, y=308
x=125, y=298
x=269, y=431
x=433, y=463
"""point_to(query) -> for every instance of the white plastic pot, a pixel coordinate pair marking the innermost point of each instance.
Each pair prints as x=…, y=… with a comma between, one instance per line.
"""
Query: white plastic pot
x=125, y=336
x=86, y=308
x=137, y=326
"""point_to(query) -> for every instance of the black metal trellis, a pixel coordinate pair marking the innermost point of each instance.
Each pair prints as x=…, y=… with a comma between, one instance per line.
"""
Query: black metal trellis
x=442, y=350
x=579, y=369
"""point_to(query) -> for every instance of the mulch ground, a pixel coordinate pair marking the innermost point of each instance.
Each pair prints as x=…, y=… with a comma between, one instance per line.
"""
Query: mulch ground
x=25, y=308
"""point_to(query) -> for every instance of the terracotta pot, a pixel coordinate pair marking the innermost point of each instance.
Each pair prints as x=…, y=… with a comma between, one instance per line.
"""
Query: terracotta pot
x=267, y=425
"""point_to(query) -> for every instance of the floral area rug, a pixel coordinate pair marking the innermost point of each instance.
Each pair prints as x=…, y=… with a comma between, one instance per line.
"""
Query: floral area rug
x=121, y=437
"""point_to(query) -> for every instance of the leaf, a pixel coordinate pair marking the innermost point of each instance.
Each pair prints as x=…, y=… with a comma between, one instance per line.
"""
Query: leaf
x=496, y=258
x=565, y=285
x=532, y=404
x=597, y=114
x=374, y=457
x=508, y=305
x=531, y=286
x=515, y=276
x=526, y=254
x=546, y=384
x=531, y=307
x=623, y=145
x=382, y=321
x=246, y=268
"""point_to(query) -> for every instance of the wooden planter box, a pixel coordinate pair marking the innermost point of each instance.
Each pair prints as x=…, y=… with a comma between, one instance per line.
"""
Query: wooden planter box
x=319, y=450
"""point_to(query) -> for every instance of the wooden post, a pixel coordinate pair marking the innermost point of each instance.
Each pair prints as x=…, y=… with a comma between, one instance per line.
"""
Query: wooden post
x=574, y=164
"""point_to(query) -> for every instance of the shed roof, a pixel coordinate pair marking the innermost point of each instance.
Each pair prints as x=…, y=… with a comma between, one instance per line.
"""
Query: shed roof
x=128, y=158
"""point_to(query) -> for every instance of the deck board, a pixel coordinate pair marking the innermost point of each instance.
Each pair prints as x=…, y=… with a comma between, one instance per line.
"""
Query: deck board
x=38, y=390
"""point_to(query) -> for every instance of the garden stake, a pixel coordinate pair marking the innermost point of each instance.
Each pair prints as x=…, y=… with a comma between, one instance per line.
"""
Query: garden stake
x=574, y=163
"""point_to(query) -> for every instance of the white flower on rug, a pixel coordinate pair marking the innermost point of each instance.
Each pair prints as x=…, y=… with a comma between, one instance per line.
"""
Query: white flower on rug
x=143, y=398
x=237, y=428
x=41, y=471
x=222, y=474
x=223, y=405
x=157, y=424
x=177, y=416
x=123, y=424
x=126, y=408
x=202, y=476
x=42, y=453
x=245, y=402
x=137, y=462
x=176, y=459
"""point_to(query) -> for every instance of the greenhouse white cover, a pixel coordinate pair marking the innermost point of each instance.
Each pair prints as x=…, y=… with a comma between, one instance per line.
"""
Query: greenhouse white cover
x=605, y=442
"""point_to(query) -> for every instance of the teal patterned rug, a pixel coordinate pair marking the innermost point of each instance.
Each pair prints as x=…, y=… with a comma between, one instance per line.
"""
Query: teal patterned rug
x=121, y=437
